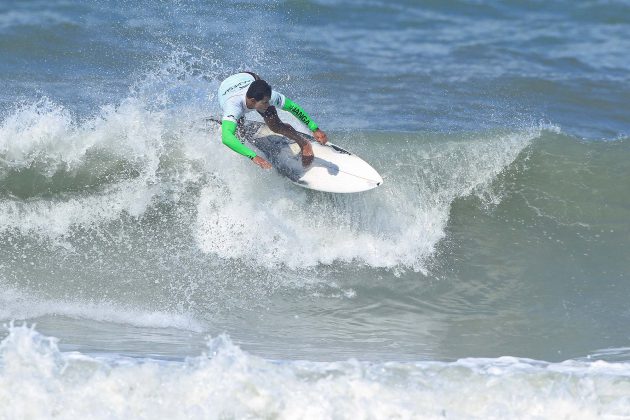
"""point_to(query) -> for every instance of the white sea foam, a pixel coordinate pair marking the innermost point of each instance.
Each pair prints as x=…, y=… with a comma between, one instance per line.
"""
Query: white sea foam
x=399, y=224
x=39, y=381
x=45, y=136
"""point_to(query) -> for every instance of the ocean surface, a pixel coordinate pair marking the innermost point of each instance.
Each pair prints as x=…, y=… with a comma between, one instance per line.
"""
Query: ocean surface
x=147, y=271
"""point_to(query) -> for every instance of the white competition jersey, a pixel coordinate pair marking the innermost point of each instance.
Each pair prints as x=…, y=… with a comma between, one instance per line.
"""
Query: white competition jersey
x=232, y=96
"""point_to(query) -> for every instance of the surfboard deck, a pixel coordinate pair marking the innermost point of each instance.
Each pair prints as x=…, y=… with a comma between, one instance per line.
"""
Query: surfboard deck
x=333, y=169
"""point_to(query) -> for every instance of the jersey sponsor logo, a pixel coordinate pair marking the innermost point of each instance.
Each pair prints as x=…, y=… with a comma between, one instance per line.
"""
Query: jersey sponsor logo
x=239, y=85
x=300, y=115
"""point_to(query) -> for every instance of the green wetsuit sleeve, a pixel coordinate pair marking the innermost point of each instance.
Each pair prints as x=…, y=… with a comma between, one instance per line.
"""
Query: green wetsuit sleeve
x=301, y=115
x=228, y=136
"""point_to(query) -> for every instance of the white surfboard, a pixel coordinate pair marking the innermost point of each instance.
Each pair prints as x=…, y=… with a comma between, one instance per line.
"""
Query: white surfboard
x=333, y=169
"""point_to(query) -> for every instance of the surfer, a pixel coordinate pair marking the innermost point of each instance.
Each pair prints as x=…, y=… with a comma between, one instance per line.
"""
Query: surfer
x=245, y=92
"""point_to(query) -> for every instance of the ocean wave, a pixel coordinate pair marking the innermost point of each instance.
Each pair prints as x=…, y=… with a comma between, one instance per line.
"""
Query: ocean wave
x=227, y=382
x=11, y=19
x=60, y=174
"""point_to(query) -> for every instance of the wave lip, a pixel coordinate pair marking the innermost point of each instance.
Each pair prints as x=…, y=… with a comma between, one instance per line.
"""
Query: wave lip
x=227, y=382
x=33, y=19
x=15, y=305
x=58, y=173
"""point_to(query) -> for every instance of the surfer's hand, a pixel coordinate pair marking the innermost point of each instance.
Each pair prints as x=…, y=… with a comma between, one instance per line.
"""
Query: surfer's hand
x=261, y=162
x=307, y=154
x=320, y=136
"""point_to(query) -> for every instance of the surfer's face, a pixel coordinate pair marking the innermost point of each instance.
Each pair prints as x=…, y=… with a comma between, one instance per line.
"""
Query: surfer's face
x=262, y=105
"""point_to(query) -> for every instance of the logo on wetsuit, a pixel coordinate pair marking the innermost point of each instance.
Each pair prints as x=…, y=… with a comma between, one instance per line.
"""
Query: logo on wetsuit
x=239, y=85
x=301, y=116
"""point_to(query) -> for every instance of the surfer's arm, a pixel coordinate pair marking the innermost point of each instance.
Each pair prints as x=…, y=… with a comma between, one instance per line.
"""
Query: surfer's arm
x=228, y=137
x=299, y=113
x=277, y=126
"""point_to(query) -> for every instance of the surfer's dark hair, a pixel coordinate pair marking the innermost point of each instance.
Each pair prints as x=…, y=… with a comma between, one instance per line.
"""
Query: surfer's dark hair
x=258, y=90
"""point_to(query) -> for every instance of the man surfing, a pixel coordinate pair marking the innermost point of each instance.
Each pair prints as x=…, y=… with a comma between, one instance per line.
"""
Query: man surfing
x=245, y=92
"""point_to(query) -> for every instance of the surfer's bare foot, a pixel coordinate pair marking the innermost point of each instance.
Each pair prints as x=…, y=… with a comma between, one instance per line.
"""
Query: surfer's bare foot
x=307, y=160
x=261, y=162
x=307, y=154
